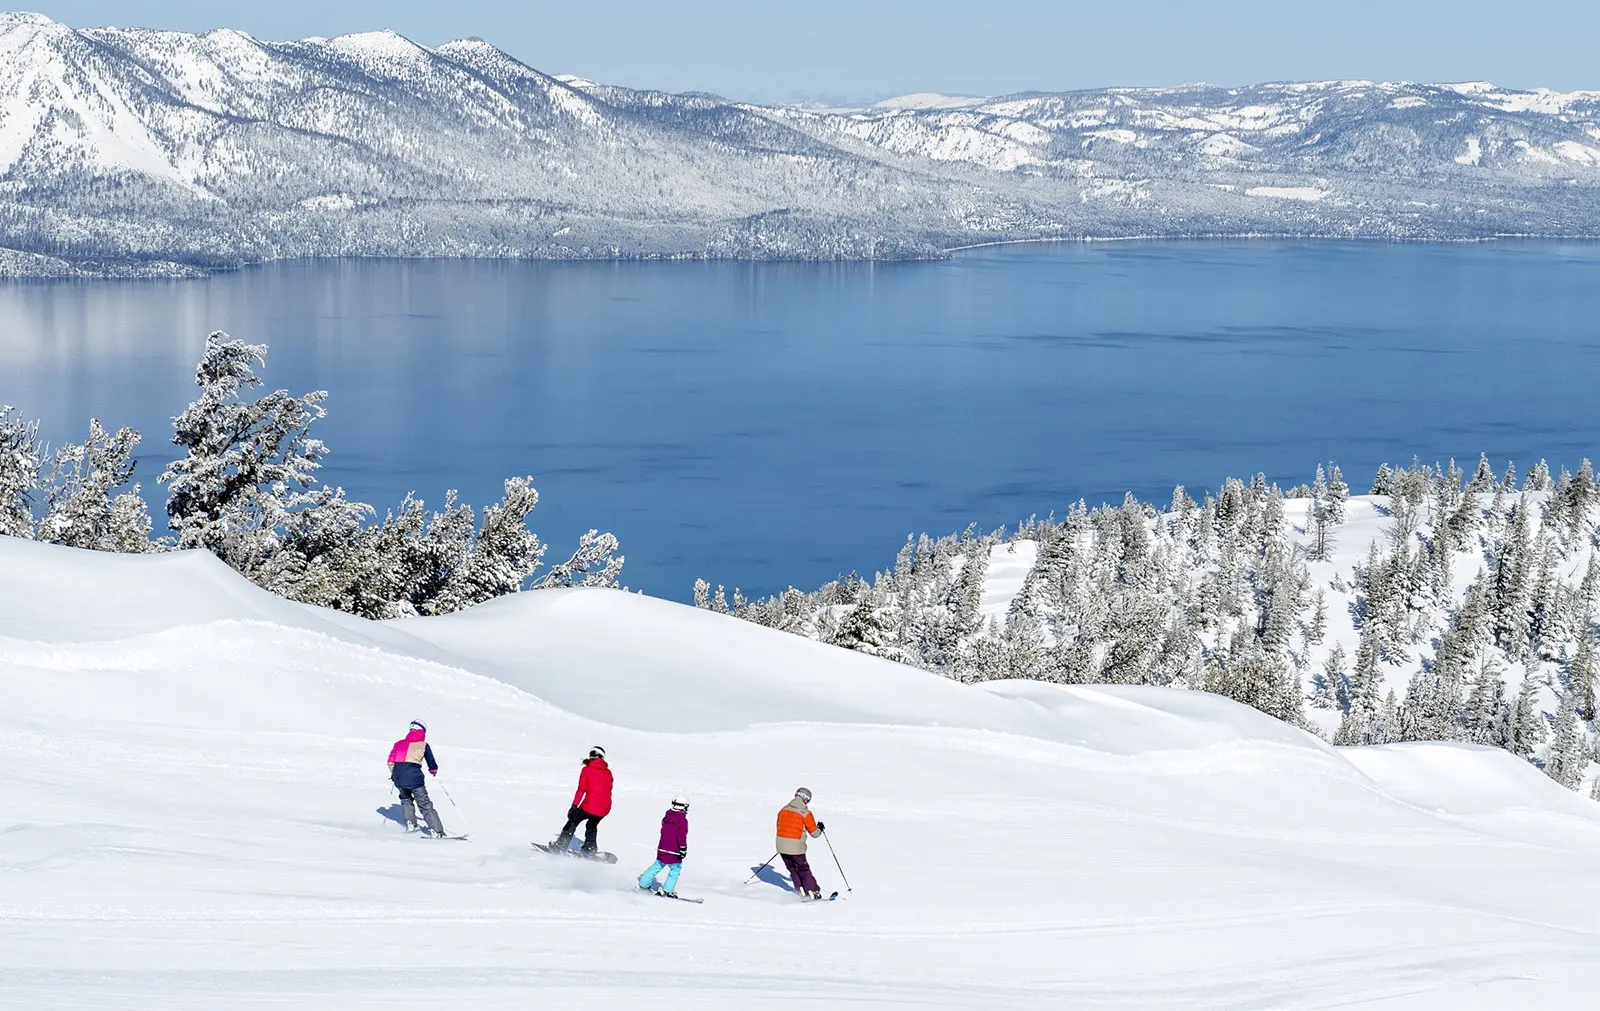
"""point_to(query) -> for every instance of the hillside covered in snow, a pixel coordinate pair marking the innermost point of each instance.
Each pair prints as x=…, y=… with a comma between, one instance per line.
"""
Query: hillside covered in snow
x=199, y=816
x=145, y=152
x=1436, y=608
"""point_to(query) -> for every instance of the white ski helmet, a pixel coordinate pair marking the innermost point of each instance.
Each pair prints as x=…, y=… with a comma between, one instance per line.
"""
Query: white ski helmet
x=803, y=794
x=680, y=803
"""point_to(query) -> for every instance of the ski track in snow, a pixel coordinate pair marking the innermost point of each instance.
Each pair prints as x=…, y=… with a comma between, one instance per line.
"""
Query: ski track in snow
x=201, y=818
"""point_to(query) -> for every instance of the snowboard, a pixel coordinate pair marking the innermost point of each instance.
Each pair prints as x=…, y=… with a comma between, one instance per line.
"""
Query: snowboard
x=602, y=856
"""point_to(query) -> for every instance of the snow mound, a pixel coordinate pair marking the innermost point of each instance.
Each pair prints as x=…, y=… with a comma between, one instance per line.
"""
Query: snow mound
x=201, y=818
x=1468, y=780
x=670, y=666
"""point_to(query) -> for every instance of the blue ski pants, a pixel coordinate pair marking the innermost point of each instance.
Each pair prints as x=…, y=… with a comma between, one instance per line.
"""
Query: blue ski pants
x=648, y=878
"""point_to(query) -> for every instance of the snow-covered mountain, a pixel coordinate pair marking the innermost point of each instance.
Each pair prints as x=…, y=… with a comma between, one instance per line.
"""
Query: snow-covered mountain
x=137, y=151
x=199, y=816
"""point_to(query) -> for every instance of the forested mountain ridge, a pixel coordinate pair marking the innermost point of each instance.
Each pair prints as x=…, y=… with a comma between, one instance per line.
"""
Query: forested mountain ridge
x=1437, y=607
x=135, y=151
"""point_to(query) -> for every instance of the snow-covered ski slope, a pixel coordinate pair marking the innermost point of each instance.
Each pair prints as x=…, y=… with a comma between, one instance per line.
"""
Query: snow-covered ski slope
x=194, y=773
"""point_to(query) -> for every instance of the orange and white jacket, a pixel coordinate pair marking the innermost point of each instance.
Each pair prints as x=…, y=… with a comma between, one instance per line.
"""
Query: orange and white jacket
x=795, y=821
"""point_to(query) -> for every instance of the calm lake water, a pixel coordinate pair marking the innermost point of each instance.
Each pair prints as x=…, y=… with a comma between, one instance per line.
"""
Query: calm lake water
x=768, y=424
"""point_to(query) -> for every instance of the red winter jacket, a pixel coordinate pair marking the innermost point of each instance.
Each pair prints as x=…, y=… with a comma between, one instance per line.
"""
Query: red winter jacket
x=594, y=788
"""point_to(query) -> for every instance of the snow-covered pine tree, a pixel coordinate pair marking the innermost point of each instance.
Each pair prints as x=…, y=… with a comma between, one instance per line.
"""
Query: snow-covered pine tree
x=1544, y=601
x=1383, y=481
x=1249, y=674
x=1483, y=478
x=1538, y=478
x=1317, y=516
x=1568, y=757
x=414, y=559
x=1387, y=727
x=594, y=563
x=246, y=465
x=826, y=628
x=1582, y=495
x=1316, y=627
x=1485, y=712
x=1135, y=635
x=1365, y=680
x=983, y=657
x=1331, y=689
x=1462, y=522
x=21, y=456
x=1524, y=727
x=1508, y=480
x=872, y=627
x=1025, y=653
x=1338, y=496
x=1581, y=673
x=1511, y=583
x=1178, y=664
x=83, y=508
x=505, y=552
x=1432, y=707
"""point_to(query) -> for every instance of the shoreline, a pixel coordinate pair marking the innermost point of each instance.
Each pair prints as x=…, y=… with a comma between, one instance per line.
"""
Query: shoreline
x=187, y=272
x=1273, y=237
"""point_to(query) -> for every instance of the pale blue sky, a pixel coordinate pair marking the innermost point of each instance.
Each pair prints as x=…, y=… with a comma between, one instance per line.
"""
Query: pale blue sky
x=855, y=49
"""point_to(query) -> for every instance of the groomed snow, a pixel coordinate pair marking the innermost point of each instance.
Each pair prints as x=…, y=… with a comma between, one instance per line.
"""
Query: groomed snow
x=195, y=778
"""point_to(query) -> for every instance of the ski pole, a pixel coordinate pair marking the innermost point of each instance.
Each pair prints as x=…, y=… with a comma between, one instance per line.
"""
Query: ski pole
x=452, y=801
x=760, y=869
x=836, y=861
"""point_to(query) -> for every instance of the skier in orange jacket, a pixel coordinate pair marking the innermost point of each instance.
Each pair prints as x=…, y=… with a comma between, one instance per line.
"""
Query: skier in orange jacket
x=795, y=822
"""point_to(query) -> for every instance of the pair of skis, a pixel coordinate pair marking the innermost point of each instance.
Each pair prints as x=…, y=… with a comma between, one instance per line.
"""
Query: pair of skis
x=658, y=893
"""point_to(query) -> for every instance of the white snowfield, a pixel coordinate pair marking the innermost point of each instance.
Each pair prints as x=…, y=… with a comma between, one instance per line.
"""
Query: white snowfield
x=195, y=782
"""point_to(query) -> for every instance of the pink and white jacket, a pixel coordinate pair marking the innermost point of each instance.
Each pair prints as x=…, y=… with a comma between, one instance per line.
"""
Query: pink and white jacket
x=407, y=757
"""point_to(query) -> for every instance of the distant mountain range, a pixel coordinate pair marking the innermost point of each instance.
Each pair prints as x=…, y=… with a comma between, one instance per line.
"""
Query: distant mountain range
x=145, y=152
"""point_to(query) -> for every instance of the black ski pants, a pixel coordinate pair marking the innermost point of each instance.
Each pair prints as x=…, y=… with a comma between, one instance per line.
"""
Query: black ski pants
x=591, y=830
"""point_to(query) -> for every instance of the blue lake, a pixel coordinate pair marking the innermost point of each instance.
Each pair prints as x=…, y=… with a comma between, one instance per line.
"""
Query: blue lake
x=768, y=424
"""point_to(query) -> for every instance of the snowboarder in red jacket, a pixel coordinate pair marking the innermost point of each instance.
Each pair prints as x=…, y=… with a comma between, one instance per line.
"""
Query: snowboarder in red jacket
x=591, y=803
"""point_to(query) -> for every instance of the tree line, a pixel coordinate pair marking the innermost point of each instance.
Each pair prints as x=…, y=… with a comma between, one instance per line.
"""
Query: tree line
x=244, y=488
x=1463, y=609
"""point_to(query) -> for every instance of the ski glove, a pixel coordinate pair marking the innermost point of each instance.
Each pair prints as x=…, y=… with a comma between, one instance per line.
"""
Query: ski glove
x=574, y=812
x=821, y=827
x=433, y=772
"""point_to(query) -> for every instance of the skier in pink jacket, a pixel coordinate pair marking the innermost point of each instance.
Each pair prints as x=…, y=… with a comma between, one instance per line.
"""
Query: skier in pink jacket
x=406, y=759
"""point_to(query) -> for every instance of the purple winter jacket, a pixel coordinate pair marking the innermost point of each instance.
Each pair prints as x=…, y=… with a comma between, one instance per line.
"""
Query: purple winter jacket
x=674, y=837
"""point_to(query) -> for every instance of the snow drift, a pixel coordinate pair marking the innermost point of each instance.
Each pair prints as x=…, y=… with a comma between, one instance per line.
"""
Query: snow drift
x=199, y=816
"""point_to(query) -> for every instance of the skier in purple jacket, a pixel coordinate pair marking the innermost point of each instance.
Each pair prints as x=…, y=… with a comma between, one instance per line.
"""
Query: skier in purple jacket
x=671, y=850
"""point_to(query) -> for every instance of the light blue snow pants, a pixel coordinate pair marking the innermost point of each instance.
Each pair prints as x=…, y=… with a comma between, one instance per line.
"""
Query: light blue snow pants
x=648, y=878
